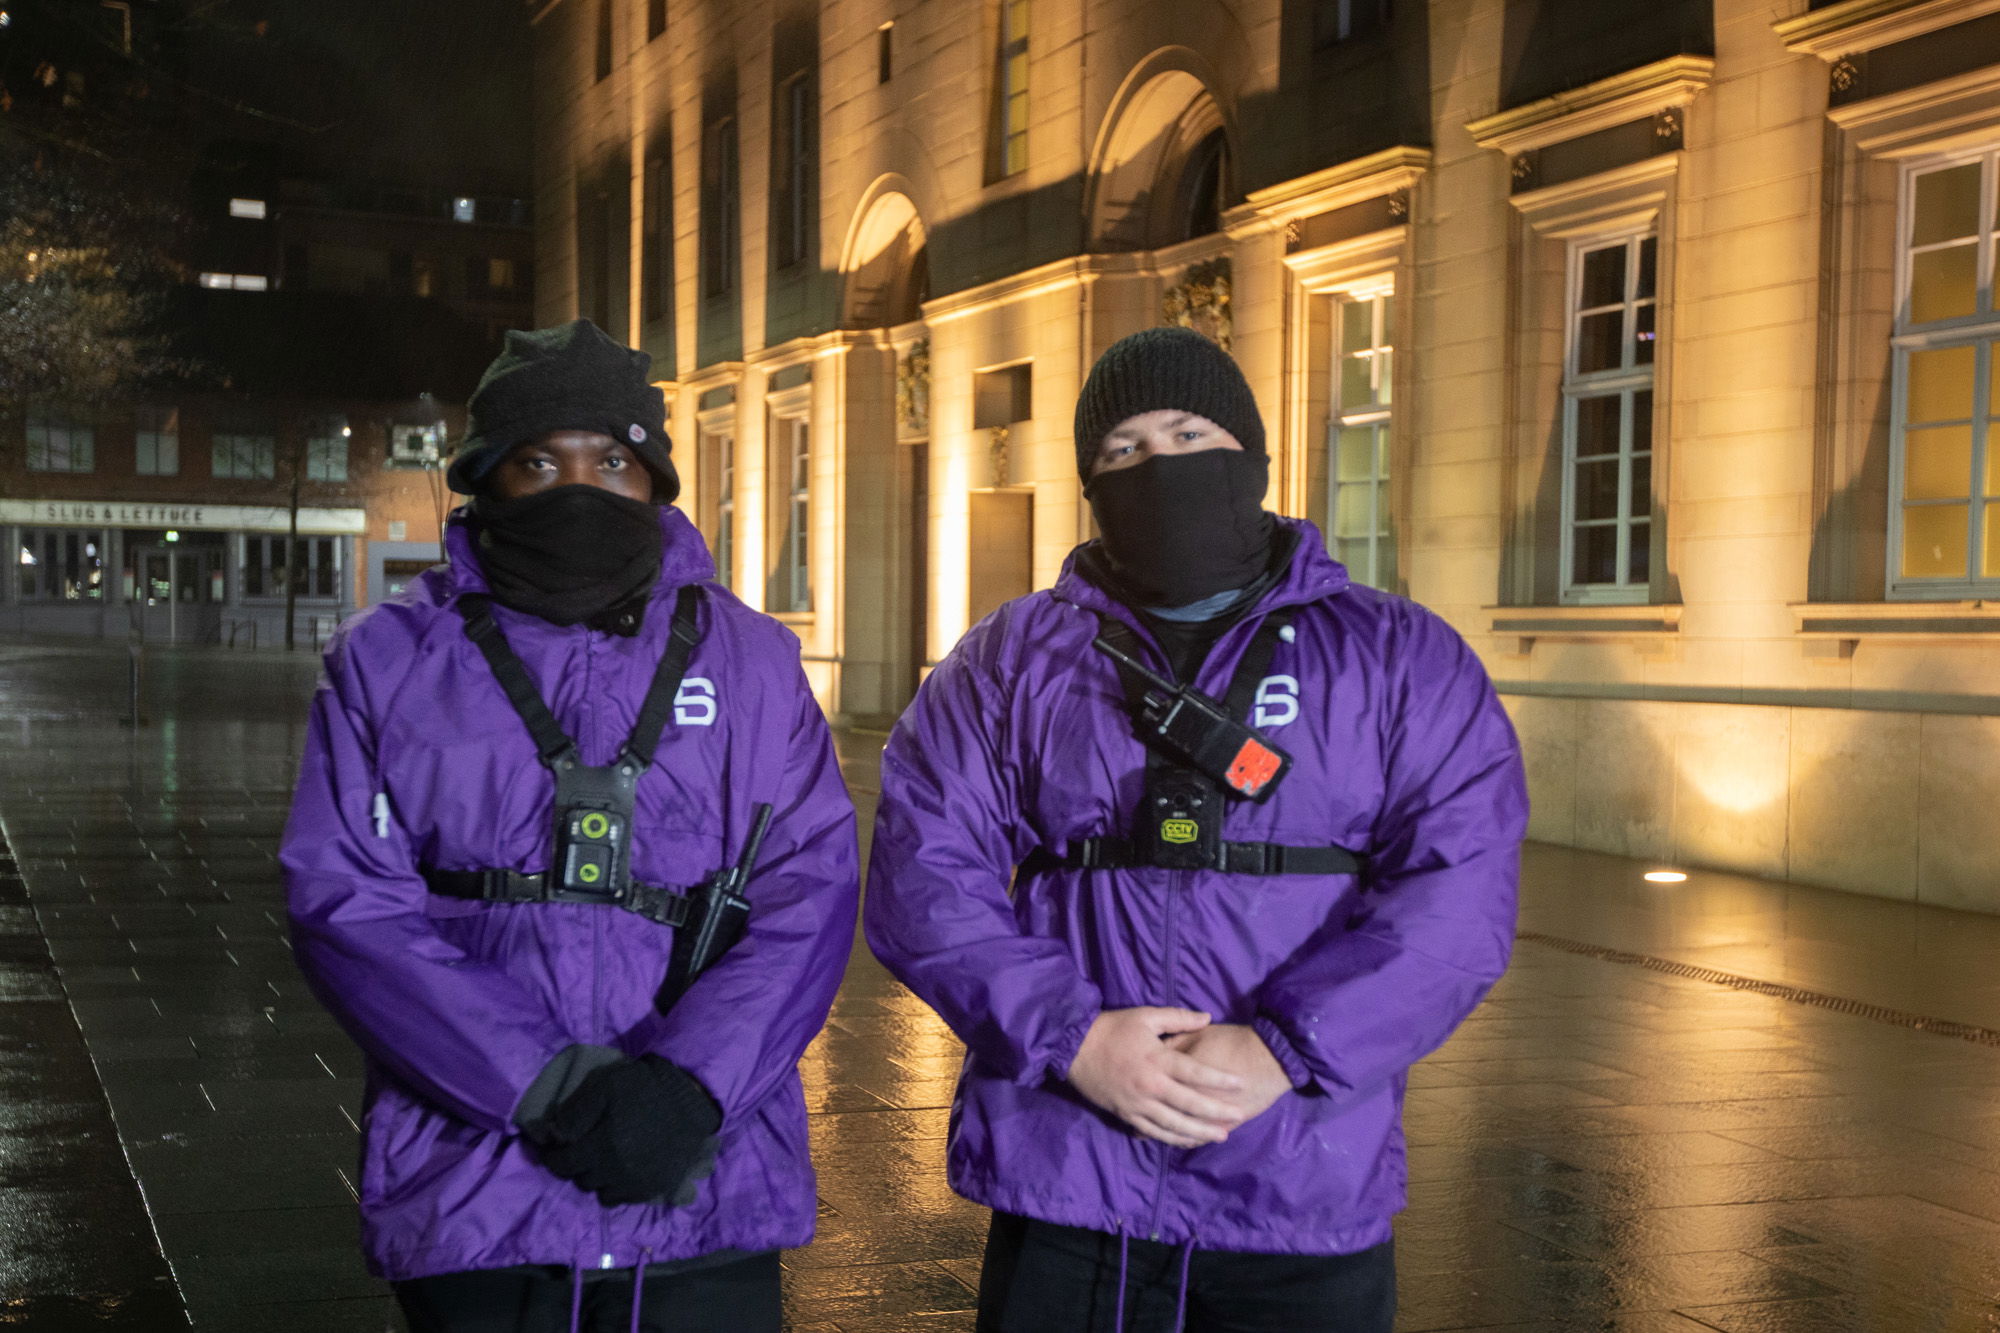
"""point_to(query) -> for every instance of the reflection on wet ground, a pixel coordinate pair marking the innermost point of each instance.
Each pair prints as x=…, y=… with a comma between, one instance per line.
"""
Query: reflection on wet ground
x=1603, y=1146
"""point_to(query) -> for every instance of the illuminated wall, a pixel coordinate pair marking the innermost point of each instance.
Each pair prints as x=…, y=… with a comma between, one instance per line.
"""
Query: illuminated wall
x=1599, y=328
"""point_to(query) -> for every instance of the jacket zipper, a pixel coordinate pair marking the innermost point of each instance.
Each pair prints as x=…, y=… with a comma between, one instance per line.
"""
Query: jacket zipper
x=596, y=934
x=1177, y=884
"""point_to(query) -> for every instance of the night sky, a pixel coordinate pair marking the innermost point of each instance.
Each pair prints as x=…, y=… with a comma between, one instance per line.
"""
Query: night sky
x=416, y=92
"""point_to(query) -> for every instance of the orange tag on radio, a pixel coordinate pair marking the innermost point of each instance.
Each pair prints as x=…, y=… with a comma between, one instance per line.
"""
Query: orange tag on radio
x=1253, y=768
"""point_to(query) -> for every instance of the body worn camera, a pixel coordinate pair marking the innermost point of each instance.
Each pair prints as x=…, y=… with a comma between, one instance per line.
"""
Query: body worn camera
x=1182, y=824
x=594, y=829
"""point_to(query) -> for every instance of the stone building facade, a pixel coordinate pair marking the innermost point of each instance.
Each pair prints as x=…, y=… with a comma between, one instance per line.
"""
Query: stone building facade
x=1650, y=344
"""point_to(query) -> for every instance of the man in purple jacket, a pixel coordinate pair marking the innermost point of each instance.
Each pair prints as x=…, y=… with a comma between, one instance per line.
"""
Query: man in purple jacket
x=1236, y=916
x=520, y=778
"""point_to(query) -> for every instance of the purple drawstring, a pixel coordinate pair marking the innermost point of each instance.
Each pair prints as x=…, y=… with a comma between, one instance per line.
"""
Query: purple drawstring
x=1180, y=1303
x=576, y=1300
x=1124, y=1253
x=639, y=1285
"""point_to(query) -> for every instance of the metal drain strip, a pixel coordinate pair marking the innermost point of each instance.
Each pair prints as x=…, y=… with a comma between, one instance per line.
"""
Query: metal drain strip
x=1942, y=1027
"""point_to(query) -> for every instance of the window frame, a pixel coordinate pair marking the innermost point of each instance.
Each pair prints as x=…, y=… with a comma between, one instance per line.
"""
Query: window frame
x=156, y=432
x=793, y=128
x=791, y=459
x=328, y=440
x=39, y=541
x=1377, y=415
x=1626, y=382
x=263, y=455
x=79, y=442
x=721, y=208
x=1979, y=331
x=1006, y=161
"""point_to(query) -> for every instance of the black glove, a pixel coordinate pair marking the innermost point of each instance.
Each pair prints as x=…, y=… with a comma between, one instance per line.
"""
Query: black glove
x=634, y=1131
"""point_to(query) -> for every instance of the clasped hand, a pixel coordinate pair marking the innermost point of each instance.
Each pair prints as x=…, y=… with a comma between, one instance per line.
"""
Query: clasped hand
x=1174, y=1076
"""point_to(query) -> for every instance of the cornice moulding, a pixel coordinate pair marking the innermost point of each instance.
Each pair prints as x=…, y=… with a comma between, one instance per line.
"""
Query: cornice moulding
x=1338, y=186
x=1618, y=100
x=1866, y=25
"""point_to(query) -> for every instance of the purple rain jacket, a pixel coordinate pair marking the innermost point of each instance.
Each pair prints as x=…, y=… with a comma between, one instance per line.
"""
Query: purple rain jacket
x=1021, y=740
x=458, y=1005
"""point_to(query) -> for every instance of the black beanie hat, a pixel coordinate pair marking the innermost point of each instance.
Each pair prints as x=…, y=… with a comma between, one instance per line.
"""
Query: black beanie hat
x=1158, y=369
x=571, y=377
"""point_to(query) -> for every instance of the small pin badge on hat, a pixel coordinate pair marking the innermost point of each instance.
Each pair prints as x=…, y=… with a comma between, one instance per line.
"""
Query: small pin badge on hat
x=636, y=433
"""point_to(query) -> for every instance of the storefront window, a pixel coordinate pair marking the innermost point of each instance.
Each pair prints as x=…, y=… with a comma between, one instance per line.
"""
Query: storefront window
x=60, y=565
x=316, y=572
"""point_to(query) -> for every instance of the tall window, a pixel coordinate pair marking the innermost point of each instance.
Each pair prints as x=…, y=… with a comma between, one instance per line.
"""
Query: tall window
x=1011, y=89
x=61, y=565
x=1945, y=468
x=157, y=442
x=1359, y=435
x=603, y=40
x=719, y=207
x=718, y=470
x=244, y=457
x=326, y=449
x=1344, y=20
x=58, y=444
x=885, y=52
x=1608, y=421
x=791, y=162
x=656, y=270
x=793, y=466
x=656, y=18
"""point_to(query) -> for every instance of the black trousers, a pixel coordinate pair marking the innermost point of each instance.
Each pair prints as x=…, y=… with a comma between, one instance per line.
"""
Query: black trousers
x=1043, y=1278
x=736, y=1297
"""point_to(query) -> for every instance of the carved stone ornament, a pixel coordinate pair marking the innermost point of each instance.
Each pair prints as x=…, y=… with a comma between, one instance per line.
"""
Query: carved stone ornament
x=1399, y=205
x=1523, y=166
x=913, y=389
x=1294, y=235
x=998, y=450
x=1200, y=301
x=1844, y=74
x=1667, y=124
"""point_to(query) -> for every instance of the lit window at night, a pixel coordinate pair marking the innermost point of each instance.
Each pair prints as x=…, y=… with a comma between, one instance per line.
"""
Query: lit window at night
x=240, y=282
x=58, y=444
x=1013, y=87
x=1358, y=439
x=1608, y=421
x=1945, y=539
x=794, y=544
x=246, y=208
x=464, y=210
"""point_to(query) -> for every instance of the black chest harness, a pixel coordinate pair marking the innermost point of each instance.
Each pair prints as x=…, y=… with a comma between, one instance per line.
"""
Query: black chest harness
x=594, y=809
x=1200, y=755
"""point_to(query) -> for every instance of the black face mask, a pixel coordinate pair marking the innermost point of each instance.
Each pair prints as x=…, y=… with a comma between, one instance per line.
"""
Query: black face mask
x=1181, y=527
x=568, y=553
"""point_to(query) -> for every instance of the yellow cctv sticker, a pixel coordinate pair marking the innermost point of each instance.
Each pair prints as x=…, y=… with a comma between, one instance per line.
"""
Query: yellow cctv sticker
x=1179, y=830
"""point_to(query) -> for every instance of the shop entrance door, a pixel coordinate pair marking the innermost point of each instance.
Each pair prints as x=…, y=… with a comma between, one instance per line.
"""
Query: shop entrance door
x=180, y=593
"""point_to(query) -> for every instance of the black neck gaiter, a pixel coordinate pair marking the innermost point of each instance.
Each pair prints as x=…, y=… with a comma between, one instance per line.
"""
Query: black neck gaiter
x=568, y=553
x=1181, y=527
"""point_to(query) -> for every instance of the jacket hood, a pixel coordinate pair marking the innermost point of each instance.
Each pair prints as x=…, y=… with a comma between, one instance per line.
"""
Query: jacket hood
x=1310, y=575
x=684, y=556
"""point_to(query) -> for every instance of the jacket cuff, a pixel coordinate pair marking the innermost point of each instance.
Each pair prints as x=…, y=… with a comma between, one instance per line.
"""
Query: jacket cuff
x=1063, y=1053
x=558, y=1079
x=1283, y=1052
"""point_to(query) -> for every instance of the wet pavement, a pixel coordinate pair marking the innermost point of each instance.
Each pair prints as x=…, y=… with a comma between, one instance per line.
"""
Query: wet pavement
x=1624, y=1138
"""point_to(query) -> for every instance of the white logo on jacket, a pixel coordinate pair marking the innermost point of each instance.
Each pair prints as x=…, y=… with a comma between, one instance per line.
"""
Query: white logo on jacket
x=694, y=702
x=1277, y=701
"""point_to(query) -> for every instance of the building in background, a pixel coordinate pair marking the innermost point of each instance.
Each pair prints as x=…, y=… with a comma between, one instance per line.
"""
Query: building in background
x=1650, y=344
x=347, y=273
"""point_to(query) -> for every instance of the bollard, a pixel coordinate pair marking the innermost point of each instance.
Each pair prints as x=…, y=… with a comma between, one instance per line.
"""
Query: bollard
x=135, y=647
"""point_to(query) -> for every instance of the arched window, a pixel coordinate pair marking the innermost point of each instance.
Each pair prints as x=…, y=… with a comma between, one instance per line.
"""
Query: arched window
x=1204, y=183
